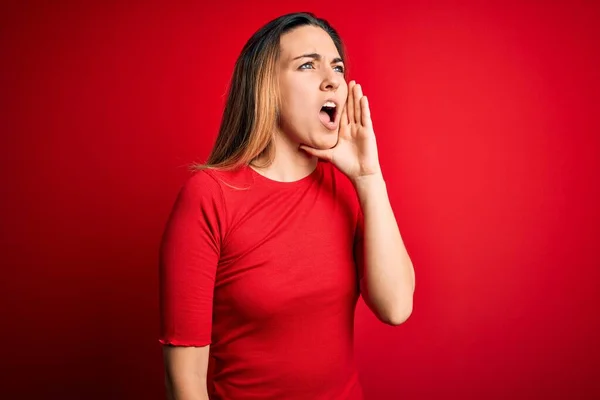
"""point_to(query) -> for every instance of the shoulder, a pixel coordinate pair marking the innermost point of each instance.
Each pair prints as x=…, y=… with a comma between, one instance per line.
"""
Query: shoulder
x=342, y=184
x=341, y=188
x=201, y=183
x=216, y=184
x=200, y=190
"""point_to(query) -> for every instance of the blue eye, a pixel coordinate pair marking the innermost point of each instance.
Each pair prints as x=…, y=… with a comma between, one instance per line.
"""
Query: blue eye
x=337, y=68
x=303, y=65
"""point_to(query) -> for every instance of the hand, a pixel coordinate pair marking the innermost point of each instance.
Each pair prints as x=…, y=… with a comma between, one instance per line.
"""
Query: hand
x=355, y=153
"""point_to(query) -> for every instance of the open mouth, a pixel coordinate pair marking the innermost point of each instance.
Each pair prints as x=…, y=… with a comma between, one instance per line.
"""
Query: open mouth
x=328, y=111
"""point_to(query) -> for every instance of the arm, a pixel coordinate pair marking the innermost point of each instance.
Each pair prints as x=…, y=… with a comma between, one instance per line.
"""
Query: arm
x=189, y=255
x=388, y=279
x=185, y=372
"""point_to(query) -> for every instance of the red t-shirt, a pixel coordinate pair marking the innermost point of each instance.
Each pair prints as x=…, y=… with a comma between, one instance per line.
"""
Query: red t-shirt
x=264, y=272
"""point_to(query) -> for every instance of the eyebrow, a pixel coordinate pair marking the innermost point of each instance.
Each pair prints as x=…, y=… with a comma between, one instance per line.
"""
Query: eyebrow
x=318, y=57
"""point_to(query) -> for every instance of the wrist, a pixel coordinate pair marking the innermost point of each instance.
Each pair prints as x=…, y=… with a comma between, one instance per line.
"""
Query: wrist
x=367, y=185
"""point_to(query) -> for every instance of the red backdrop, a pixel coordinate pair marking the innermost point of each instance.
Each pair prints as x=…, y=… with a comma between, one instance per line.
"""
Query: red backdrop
x=488, y=125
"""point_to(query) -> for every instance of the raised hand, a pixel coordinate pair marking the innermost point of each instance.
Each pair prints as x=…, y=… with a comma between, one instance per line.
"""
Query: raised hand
x=355, y=153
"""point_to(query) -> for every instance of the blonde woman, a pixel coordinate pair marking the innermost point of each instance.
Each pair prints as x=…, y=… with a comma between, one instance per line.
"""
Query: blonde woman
x=272, y=240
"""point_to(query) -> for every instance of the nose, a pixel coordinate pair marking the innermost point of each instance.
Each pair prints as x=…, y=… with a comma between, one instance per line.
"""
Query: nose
x=331, y=80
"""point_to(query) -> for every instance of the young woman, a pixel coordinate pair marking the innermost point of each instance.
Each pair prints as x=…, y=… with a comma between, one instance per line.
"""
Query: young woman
x=270, y=243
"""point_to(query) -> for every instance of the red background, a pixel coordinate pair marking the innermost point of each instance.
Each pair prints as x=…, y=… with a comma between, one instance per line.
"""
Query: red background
x=488, y=126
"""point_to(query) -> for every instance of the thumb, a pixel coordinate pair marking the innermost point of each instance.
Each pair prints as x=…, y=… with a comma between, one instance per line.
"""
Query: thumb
x=322, y=154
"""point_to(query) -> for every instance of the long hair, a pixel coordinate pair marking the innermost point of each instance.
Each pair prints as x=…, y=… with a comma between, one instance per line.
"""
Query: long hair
x=251, y=112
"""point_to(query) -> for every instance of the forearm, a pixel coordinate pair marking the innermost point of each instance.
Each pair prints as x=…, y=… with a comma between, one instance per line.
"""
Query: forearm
x=389, y=279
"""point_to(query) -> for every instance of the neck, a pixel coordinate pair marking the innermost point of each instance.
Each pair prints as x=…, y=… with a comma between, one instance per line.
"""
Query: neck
x=289, y=163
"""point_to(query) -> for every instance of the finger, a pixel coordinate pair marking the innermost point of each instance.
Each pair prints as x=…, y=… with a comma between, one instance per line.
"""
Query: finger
x=344, y=117
x=365, y=112
x=357, y=96
x=350, y=101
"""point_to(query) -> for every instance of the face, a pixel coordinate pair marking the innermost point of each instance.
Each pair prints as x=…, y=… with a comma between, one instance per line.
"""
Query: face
x=312, y=87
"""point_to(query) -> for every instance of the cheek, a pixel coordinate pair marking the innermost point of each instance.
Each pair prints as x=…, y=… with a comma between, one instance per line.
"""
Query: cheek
x=296, y=102
x=344, y=91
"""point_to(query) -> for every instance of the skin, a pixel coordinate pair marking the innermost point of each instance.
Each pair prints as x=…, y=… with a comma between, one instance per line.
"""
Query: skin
x=305, y=83
x=186, y=372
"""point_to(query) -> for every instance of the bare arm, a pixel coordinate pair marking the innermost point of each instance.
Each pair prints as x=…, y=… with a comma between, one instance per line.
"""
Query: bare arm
x=388, y=283
x=185, y=372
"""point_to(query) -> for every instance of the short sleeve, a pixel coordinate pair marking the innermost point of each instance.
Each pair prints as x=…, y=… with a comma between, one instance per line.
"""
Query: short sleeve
x=188, y=258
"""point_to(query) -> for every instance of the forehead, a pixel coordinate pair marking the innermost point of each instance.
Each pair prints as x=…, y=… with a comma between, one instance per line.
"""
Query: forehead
x=307, y=39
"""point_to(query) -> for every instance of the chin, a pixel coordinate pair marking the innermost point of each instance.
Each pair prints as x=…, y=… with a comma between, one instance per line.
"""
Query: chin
x=325, y=142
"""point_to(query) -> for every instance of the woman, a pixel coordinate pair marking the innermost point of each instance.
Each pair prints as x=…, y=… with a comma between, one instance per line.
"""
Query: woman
x=267, y=248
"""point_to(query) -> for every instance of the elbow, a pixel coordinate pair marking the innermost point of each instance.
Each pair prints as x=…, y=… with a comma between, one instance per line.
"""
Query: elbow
x=398, y=315
x=402, y=308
